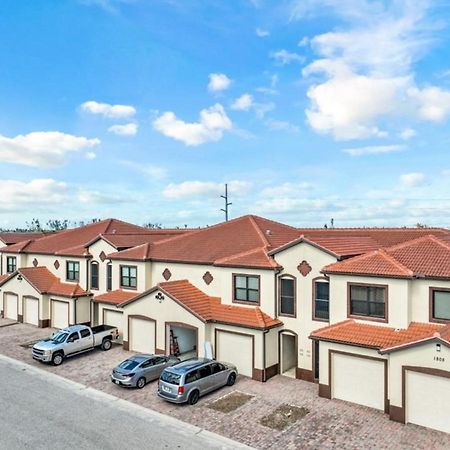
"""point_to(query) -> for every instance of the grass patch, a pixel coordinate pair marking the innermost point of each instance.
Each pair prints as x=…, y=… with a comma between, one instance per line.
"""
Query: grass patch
x=283, y=416
x=230, y=402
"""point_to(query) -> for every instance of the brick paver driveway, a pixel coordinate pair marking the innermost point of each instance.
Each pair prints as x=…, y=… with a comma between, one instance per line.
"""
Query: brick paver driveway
x=329, y=424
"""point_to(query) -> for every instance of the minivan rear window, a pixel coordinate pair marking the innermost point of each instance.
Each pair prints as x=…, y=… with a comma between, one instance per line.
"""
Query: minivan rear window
x=170, y=377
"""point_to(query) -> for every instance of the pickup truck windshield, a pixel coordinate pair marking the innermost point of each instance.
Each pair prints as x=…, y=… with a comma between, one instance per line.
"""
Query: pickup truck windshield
x=171, y=378
x=59, y=337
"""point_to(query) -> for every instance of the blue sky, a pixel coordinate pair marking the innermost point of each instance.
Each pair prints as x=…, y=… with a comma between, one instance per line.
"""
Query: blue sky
x=142, y=110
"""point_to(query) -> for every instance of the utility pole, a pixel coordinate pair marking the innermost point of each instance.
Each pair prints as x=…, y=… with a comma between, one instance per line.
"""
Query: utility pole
x=227, y=204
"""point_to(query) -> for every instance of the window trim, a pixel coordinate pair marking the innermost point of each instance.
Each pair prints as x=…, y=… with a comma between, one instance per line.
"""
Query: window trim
x=109, y=276
x=313, y=306
x=432, y=290
x=292, y=277
x=95, y=263
x=246, y=302
x=120, y=280
x=75, y=280
x=7, y=264
x=368, y=318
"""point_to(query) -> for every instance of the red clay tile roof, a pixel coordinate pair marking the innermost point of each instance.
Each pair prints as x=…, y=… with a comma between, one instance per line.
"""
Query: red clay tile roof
x=13, y=237
x=426, y=256
x=47, y=283
x=115, y=297
x=375, y=336
x=210, y=309
x=4, y=277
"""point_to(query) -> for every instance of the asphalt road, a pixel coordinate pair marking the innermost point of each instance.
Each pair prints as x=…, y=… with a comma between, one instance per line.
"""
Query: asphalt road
x=39, y=410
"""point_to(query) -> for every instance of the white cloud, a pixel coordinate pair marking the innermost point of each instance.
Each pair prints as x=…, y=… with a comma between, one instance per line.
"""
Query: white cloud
x=107, y=110
x=128, y=129
x=243, y=103
x=261, y=33
x=413, y=179
x=149, y=170
x=261, y=109
x=284, y=57
x=407, y=133
x=42, y=148
x=374, y=150
x=218, y=82
x=433, y=103
x=281, y=125
x=287, y=189
x=303, y=42
x=210, y=127
x=191, y=189
x=87, y=196
x=90, y=155
x=41, y=191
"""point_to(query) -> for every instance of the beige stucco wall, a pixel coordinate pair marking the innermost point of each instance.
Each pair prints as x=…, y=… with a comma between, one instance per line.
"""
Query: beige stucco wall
x=420, y=356
x=95, y=250
x=272, y=347
x=142, y=275
x=21, y=260
x=23, y=288
x=419, y=298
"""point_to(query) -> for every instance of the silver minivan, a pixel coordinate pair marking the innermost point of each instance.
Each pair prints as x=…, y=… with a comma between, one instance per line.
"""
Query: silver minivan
x=189, y=380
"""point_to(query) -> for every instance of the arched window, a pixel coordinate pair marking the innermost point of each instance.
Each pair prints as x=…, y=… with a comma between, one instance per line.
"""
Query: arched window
x=109, y=277
x=94, y=275
x=287, y=296
x=321, y=299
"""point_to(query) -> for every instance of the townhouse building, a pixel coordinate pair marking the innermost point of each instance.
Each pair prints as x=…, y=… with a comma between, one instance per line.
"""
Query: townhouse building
x=362, y=312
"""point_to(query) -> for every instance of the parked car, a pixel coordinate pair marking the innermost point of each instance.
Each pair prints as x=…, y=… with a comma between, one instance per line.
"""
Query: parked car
x=189, y=380
x=73, y=340
x=139, y=370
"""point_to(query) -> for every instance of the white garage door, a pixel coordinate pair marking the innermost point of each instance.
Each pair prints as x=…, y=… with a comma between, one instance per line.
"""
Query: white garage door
x=60, y=314
x=236, y=349
x=31, y=310
x=113, y=318
x=358, y=380
x=428, y=400
x=10, y=305
x=142, y=335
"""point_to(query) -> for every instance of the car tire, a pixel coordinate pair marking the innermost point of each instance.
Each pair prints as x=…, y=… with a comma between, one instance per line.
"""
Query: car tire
x=57, y=359
x=193, y=397
x=140, y=383
x=231, y=379
x=106, y=344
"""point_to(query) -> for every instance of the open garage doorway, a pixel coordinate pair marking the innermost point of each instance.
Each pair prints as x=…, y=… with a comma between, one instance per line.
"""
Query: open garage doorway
x=288, y=354
x=181, y=340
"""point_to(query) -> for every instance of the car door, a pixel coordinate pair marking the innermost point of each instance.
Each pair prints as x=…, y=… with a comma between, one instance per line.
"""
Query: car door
x=86, y=340
x=147, y=369
x=72, y=343
x=204, y=379
x=219, y=375
x=159, y=364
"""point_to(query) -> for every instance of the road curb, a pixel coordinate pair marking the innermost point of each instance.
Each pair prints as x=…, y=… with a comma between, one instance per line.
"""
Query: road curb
x=125, y=405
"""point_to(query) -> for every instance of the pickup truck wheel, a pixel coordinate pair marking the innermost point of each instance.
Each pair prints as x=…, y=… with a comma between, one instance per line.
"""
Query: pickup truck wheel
x=231, y=379
x=106, y=344
x=57, y=359
x=140, y=383
x=193, y=397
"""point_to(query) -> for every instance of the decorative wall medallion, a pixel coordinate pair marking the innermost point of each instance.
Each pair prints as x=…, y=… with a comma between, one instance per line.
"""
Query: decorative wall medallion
x=102, y=256
x=159, y=297
x=35, y=262
x=167, y=274
x=208, y=278
x=56, y=264
x=304, y=268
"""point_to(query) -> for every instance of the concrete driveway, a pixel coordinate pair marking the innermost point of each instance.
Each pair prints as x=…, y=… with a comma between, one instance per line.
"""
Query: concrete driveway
x=327, y=423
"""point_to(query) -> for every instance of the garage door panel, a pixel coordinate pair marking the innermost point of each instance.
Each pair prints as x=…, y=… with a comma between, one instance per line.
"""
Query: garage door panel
x=358, y=380
x=60, y=314
x=113, y=318
x=11, y=306
x=142, y=335
x=31, y=311
x=428, y=400
x=236, y=349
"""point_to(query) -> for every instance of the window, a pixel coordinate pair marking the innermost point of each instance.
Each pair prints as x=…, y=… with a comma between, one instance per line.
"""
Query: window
x=321, y=300
x=440, y=304
x=191, y=377
x=108, y=276
x=204, y=372
x=148, y=363
x=94, y=275
x=128, y=276
x=85, y=333
x=73, y=271
x=159, y=360
x=217, y=368
x=369, y=301
x=73, y=337
x=246, y=288
x=287, y=296
x=11, y=264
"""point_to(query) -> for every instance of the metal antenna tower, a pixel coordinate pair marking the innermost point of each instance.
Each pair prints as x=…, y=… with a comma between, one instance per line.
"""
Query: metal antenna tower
x=227, y=204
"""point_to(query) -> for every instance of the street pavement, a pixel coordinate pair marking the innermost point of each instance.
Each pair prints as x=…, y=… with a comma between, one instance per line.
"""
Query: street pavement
x=40, y=410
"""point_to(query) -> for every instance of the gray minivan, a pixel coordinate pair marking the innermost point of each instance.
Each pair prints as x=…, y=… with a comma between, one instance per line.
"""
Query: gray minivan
x=189, y=380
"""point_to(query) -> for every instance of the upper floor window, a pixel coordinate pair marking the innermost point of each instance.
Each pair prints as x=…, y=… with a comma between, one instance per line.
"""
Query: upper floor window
x=128, y=277
x=73, y=271
x=109, y=277
x=246, y=288
x=440, y=304
x=368, y=300
x=321, y=300
x=287, y=296
x=94, y=275
x=11, y=264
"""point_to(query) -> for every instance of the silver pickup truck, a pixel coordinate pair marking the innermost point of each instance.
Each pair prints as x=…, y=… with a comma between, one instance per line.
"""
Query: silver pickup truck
x=72, y=341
